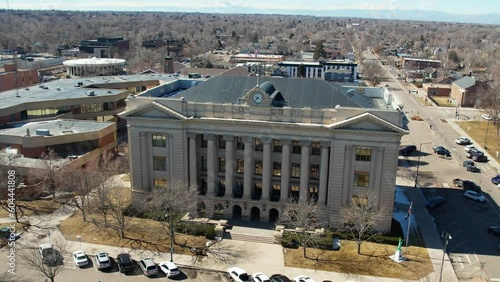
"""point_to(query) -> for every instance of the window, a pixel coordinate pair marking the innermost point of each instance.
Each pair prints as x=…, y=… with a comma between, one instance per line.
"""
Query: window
x=159, y=140
x=259, y=146
x=363, y=154
x=361, y=178
x=160, y=163
x=296, y=148
x=315, y=148
x=204, y=142
x=203, y=163
x=277, y=146
x=160, y=183
x=276, y=169
x=222, y=164
x=296, y=170
x=294, y=193
x=276, y=192
x=222, y=143
x=313, y=194
x=240, y=145
x=240, y=166
x=221, y=187
x=257, y=192
x=314, y=172
x=258, y=167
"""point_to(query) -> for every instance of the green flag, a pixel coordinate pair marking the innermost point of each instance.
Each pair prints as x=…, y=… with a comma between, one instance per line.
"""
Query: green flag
x=400, y=244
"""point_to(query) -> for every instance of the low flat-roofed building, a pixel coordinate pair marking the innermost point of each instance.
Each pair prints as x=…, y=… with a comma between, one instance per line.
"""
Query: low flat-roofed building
x=432, y=89
x=419, y=64
x=11, y=77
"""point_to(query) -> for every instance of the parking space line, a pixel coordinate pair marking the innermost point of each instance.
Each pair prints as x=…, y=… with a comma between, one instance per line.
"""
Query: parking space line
x=445, y=185
x=460, y=262
x=467, y=257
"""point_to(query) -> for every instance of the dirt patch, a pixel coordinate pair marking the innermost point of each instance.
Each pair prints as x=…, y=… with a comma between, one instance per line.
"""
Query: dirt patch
x=374, y=260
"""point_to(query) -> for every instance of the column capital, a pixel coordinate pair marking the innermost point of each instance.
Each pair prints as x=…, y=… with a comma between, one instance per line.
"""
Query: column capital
x=210, y=137
x=286, y=141
x=325, y=144
x=247, y=139
x=228, y=138
x=191, y=134
x=266, y=140
x=305, y=143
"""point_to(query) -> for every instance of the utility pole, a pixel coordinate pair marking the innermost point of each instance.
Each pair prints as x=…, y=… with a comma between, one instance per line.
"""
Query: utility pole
x=446, y=239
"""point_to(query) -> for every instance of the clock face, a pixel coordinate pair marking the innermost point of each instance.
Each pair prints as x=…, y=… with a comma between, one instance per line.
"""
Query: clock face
x=257, y=98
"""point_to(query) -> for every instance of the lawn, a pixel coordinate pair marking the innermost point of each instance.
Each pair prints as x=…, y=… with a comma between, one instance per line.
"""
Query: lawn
x=145, y=234
x=34, y=207
x=443, y=102
x=373, y=260
x=477, y=131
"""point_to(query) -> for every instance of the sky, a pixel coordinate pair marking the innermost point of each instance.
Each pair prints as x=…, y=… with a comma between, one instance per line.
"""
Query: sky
x=450, y=6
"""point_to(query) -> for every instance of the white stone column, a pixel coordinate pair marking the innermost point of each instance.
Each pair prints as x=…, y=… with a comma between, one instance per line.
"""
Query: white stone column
x=249, y=168
x=193, y=172
x=211, y=162
x=230, y=166
x=285, y=170
x=304, y=170
x=267, y=169
x=323, y=170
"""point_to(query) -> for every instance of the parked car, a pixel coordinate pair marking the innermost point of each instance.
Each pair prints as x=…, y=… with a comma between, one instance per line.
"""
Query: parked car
x=434, y=202
x=125, y=263
x=470, y=166
x=238, y=274
x=494, y=230
x=462, y=141
x=470, y=185
x=80, y=258
x=407, y=150
x=473, y=152
x=469, y=147
x=260, y=277
x=148, y=267
x=442, y=151
x=279, y=278
x=496, y=179
x=336, y=244
x=457, y=182
x=102, y=260
x=302, y=278
x=480, y=158
x=473, y=195
x=486, y=117
x=50, y=256
x=169, y=268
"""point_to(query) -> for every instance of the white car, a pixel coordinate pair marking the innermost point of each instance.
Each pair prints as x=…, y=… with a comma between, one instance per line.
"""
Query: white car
x=486, y=117
x=260, y=277
x=169, y=268
x=238, y=274
x=469, y=147
x=102, y=260
x=302, y=278
x=473, y=195
x=80, y=258
x=462, y=141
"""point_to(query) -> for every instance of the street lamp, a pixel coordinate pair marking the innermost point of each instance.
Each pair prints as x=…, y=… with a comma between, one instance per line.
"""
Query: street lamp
x=486, y=137
x=168, y=216
x=446, y=239
x=418, y=161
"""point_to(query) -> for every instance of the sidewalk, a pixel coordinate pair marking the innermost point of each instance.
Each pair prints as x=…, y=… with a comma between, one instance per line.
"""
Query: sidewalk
x=429, y=232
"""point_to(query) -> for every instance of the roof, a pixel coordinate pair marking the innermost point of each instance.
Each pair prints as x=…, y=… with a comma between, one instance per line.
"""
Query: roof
x=465, y=82
x=422, y=60
x=57, y=127
x=93, y=61
x=298, y=92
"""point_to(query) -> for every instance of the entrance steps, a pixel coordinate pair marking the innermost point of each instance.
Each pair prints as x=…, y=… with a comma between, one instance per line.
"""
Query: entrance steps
x=248, y=237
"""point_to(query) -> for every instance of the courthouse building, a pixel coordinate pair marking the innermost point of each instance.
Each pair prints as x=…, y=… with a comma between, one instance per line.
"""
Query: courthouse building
x=251, y=144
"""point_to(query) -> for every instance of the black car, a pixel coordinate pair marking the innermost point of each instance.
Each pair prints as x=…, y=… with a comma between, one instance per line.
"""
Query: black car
x=434, y=202
x=474, y=152
x=494, y=230
x=470, y=185
x=125, y=263
x=480, y=158
x=279, y=278
x=470, y=166
x=442, y=151
x=407, y=150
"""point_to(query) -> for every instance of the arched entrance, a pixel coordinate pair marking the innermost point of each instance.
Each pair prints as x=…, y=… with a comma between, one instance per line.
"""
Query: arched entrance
x=273, y=215
x=236, y=212
x=255, y=214
x=218, y=211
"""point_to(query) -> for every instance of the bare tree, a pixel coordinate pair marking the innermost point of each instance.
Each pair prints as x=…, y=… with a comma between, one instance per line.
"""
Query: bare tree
x=51, y=264
x=301, y=216
x=361, y=218
x=50, y=175
x=81, y=182
x=8, y=186
x=372, y=71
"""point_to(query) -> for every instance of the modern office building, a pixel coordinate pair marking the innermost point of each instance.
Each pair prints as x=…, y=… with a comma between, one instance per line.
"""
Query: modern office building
x=104, y=47
x=320, y=69
x=253, y=144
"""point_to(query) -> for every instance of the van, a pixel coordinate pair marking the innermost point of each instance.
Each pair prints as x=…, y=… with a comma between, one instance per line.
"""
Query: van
x=148, y=267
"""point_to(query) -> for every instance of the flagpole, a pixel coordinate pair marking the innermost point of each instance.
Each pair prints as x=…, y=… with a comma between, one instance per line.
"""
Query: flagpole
x=408, y=230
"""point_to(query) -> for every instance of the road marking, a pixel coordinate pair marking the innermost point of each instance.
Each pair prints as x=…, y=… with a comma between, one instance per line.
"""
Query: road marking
x=494, y=279
x=461, y=263
x=467, y=257
x=445, y=185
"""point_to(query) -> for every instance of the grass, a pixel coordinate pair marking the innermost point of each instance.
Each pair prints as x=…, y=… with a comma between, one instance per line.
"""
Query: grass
x=424, y=101
x=34, y=207
x=374, y=260
x=477, y=131
x=443, y=102
x=144, y=234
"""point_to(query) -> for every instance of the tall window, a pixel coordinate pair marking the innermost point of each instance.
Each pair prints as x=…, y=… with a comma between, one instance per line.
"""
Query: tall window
x=296, y=170
x=160, y=183
x=296, y=148
x=276, y=169
x=159, y=163
x=361, y=178
x=159, y=140
x=313, y=194
x=277, y=146
x=222, y=143
x=258, y=167
x=315, y=148
x=294, y=193
x=222, y=164
x=276, y=192
x=363, y=154
x=240, y=166
x=240, y=145
x=259, y=146
x=204, y=142
x=314, y=171
x=257, y=192
x=203, y=163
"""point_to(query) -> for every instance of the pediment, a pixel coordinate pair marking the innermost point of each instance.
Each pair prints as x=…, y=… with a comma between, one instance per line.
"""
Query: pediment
x=154, y=110
x=368, y=122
